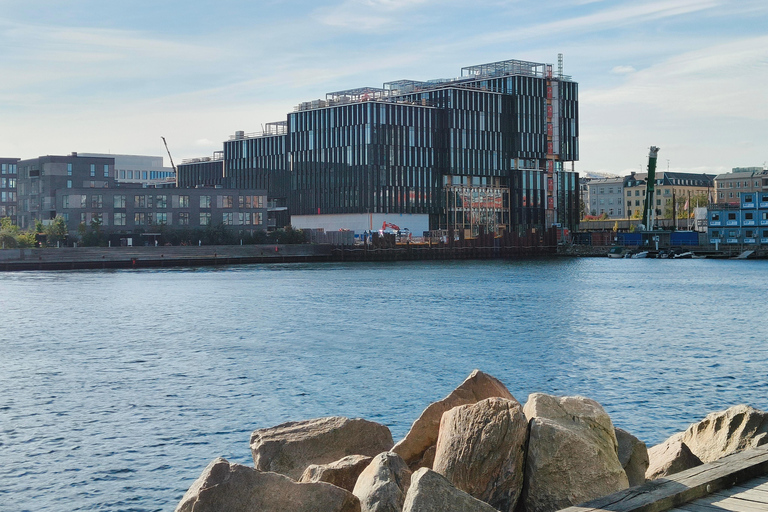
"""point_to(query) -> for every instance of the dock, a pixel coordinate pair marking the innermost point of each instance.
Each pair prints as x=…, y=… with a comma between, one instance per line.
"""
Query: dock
x=736, y=483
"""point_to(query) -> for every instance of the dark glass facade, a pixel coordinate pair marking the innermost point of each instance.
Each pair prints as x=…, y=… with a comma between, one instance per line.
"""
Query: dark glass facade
x=487, y=152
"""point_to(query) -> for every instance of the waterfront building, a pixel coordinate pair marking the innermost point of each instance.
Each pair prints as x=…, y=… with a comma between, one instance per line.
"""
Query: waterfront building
x=8, y=192
x=729, y=186
x=744, y=223
x=671, y=188
x=486, y=152
x=83, y=190
x=141, y=169
x=606, y=196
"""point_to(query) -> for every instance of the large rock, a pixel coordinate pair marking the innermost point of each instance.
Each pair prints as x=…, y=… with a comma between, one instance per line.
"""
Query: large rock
x=341, y=473
x=670, y=457
x=633, y=456
x=236, y=488
x=572, y=453
x=291, y=447
x=481, y=450
x=382, y=486
x=431, y=492
x=722, y=433
x=423, y=434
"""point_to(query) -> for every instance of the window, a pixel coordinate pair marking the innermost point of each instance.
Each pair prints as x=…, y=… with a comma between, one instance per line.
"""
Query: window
x=150, y=218
x=629, y=203
x=161, y=218
x=227, y=201
x=731, y=216
x=65, y=201
x=69, y=169
x=749, y=215
x=149, y=201
x=637, y=192
x=205, y=202
x=161, y=202
x=629, y=193
x=715, y=216
x=96, y=201
x=748, y=198
x=139, y=202
x=658, y=202
x=228, y=218
x=119, y=218
x=637, y=202
x=184, y=219
x=69, y=183
x=139, y=218
x=118, y=201
x=106, y=171
x=205, y=218
x=83, y=201
x=715, y=234
x=748, y=233
x=183, y=201
x=93, y=170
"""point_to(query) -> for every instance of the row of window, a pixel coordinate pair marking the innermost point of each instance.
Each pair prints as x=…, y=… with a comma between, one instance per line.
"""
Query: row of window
x=734, y=233
x=7, y=182
x=8, y=169
x=163, y=218
x=161, y=201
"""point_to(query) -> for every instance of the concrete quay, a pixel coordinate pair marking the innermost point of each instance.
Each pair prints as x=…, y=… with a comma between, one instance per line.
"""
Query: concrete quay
x=71, y=258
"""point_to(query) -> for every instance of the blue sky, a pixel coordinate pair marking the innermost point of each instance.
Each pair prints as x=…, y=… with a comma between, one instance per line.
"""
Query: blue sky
x=690, y=76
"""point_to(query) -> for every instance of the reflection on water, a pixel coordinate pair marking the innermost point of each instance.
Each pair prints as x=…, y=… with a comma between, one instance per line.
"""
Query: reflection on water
x=118, y=387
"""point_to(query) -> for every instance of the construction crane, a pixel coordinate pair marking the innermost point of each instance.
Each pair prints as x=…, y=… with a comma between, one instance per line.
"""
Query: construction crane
x=169, y=154
x=649, y=212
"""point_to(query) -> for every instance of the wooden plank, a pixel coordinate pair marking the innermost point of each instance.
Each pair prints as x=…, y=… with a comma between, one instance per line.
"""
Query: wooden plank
x=740, y=488
x=731, y=503
x=675, y=490
x=749, y=495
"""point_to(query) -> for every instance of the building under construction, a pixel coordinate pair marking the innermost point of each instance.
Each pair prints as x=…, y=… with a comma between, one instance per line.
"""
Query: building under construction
x=489, y=152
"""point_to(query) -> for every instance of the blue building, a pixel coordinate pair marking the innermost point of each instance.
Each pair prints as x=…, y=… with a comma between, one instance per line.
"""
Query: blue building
x=485, y=152
x=743, y=224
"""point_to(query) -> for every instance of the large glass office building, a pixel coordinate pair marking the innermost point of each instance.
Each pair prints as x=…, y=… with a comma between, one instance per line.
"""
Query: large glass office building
x=488, y=152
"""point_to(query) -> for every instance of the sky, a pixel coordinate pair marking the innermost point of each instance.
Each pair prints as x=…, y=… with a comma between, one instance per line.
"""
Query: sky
x=689, y=76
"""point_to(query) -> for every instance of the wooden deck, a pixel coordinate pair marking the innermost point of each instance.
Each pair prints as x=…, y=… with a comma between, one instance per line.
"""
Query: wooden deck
x=737, y=483
x=750, y=496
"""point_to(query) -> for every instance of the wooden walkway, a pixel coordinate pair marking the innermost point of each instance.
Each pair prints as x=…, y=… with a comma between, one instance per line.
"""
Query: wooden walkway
x=737, y=483
x=750, y=496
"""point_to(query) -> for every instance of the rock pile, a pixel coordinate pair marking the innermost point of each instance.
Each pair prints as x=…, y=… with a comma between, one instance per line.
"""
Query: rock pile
x=477, y=449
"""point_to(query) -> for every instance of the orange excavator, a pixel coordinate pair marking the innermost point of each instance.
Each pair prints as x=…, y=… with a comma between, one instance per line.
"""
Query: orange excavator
x=389, y=225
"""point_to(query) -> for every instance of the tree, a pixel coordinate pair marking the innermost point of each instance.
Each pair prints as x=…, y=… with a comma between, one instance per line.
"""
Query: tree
x=8, y=233
x=56, y=231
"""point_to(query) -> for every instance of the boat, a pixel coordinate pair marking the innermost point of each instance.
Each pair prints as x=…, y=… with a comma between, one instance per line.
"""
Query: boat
x=641, y=254
x=616, y=252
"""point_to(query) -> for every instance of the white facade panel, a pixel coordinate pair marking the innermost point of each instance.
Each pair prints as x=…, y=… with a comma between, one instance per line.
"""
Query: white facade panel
x=415, y=223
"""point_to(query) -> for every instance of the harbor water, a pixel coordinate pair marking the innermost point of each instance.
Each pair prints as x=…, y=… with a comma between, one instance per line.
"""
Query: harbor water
x=118, y=387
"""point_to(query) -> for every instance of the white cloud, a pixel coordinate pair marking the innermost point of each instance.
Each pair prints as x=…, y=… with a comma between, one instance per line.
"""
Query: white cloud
x=623, y=70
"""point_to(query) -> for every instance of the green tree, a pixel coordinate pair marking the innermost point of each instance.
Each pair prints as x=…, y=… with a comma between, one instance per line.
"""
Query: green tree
x=56, y=231
x=8, y=233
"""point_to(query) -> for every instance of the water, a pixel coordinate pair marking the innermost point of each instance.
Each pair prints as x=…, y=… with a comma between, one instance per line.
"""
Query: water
x=118, y=387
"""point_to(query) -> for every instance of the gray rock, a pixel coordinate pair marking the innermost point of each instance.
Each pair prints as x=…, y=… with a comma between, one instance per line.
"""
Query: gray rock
x=722, y=433
x=670, y=457
x=633, y=456
x=235, y=488
x=431, y=492
x=341, y=473
x=291, y=447
x=481, y=450
x=382, y=486
x=423, y=434
x=572, y=453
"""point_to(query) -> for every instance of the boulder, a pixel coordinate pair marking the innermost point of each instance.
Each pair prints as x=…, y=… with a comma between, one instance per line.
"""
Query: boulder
x=633, y=456
x=431, y=492
x=341, y=473
x=382, y=486
x=572, y=453
x=237, y=488
x=670, y=457
x=291, y=447
x=481, y=450
x=722, y=433
x=423, y=434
